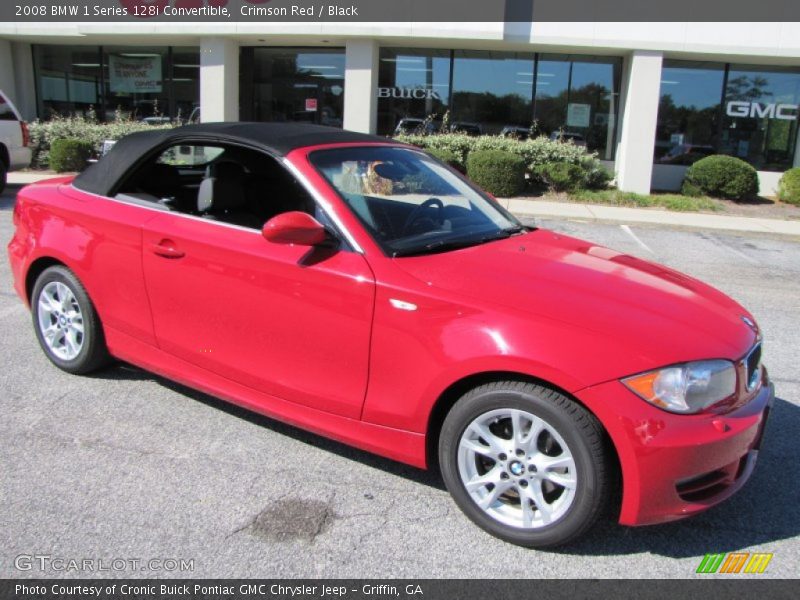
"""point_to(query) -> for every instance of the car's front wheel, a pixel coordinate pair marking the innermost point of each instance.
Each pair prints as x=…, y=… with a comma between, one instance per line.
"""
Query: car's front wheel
x=66, y=322
x=525, y=463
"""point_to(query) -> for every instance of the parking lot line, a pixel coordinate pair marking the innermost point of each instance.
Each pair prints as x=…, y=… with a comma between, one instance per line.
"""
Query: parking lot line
x=636, y=239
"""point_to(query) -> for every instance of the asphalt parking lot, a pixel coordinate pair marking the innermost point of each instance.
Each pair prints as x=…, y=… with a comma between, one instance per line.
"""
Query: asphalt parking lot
x=126, y=465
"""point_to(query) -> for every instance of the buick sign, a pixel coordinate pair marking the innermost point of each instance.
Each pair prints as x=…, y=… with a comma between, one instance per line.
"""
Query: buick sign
x=408, y=93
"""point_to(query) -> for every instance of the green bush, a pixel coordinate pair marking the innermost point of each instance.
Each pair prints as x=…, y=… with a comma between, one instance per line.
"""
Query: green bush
x=82, y=128
x=69, y=154
x=561, y=176
x=500, y=173
x=448, y=157
x=789, y=187
x=535, y=152
x=721, y=176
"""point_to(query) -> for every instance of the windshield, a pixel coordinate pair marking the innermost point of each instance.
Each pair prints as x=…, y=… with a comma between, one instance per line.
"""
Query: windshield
x=411, y=203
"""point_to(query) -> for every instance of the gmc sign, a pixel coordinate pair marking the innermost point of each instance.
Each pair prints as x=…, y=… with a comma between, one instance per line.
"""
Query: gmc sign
x=784, y=112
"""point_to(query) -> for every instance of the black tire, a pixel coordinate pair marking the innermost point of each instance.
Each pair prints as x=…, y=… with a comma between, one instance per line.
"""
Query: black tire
x=580, y=430
x=3, y=176
x=93, y=353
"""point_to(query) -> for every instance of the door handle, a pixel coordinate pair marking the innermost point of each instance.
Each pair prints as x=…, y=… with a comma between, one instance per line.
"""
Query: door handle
x=167, y=249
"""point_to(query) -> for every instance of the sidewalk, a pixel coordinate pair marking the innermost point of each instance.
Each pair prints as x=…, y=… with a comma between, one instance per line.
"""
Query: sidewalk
x=587, y=212
x=621, y=214
x=26, y=177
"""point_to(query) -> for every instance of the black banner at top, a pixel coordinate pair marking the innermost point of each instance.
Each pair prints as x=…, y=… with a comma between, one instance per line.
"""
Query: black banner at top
x=356, y=11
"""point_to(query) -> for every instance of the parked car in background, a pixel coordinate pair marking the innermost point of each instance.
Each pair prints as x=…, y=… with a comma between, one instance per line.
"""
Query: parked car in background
x=412, y=126
x=466, y=127
x=686, y=154
x=292, y=269
x=567, y=136
x=515, y=131
x=14, y=140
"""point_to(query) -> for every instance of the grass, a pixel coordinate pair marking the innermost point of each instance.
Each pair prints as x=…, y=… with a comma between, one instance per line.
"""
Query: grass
x=676, y=202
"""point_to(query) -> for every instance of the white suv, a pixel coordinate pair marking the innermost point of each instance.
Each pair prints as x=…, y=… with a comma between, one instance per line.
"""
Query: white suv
x=14, y=140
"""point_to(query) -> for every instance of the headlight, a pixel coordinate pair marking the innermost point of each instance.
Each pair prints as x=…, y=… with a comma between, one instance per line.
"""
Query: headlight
x=687, y=388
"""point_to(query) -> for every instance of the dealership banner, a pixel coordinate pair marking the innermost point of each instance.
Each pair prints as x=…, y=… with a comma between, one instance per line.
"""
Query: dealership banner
x=444, y=11
x=134, y=74
x=406, y=589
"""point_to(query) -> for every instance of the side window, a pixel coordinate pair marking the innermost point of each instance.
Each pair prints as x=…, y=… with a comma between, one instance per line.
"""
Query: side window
x=189, y=156
x=230, y=184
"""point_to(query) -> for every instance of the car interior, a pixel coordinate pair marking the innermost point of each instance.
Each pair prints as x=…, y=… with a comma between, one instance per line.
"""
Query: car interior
x=234, y=185
x=397, y=199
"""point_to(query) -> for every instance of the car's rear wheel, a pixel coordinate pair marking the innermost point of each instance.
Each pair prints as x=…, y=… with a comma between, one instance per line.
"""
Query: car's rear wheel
x=525, y=463
x=66, y=322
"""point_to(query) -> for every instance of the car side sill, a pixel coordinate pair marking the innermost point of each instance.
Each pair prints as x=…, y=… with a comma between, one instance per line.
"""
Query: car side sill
x=396, y=444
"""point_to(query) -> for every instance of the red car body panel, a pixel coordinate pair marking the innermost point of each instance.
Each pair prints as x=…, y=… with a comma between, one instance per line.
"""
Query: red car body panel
x=314, y=337
x=295, y=332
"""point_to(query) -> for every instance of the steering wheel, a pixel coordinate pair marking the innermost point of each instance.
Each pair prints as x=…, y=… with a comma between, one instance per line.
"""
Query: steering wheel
x=417, y=215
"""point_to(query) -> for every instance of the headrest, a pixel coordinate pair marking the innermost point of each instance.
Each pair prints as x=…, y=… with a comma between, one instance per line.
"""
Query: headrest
x=227, y=170
x=223, y=188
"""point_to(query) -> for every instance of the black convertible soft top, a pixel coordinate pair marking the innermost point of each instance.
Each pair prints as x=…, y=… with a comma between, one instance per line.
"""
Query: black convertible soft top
x=277, y=139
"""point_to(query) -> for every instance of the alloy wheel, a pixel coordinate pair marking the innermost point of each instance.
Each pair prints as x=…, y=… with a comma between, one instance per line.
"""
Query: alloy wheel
x=60, y=320
x=517, y=468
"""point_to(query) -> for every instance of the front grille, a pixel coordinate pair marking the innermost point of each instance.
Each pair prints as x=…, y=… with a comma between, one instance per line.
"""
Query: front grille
x=752, y=367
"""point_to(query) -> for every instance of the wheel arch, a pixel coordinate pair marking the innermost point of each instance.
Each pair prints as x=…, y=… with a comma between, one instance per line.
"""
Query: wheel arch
x=454, y=391
x=5, y=157
x=36, y=268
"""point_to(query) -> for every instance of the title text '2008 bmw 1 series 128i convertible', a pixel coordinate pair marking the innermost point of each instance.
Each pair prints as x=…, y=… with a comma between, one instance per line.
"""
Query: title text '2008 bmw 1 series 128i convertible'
x=359, y=288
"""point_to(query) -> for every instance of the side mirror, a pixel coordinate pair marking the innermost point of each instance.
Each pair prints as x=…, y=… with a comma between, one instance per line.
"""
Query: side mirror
x=294, y=227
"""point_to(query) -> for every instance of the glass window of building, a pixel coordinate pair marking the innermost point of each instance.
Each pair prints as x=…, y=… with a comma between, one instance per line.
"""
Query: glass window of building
x=746, y=111
x=68, y=79
x=142, y=83
x=552, y=92
x=186, y=84
x=413, y=89
x=137, y=82
x=689, y=111
x=577, y=98
x=491, y=91
x=761, y=112
x=293, y=84
x=565, y=97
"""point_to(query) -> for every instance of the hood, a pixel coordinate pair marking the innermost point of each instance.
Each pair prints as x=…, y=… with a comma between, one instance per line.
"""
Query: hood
x=658, y=313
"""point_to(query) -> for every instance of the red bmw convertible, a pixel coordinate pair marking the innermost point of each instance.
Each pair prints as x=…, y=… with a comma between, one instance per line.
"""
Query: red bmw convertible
x=363, y=290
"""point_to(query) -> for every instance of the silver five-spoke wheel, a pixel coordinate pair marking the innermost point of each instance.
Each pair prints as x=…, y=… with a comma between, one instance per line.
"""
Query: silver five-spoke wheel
x=517, y=468
x=60, y=320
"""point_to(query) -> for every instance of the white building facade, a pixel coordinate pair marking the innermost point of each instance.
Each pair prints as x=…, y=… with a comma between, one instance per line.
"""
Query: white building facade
x=648, y=98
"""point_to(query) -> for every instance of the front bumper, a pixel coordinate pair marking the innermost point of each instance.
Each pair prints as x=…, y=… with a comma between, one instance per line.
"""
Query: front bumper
x=674, y=466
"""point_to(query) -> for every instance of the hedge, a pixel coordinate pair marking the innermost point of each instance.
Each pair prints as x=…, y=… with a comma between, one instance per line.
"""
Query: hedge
x=448, y=157
x=789, y=187
x=88, y=129
x=561, y=176
x=721, y=176
x=499, y=173
x=534, y=151
x=69, y=154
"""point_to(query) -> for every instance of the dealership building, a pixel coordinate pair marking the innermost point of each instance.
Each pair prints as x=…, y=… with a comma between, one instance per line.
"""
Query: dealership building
x=648, y=98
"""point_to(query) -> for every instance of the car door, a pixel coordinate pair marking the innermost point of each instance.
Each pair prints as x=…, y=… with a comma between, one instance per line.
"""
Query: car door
x=290, y=321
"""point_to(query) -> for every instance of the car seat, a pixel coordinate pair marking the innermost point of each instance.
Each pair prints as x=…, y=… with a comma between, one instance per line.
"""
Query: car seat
x=222, y=196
